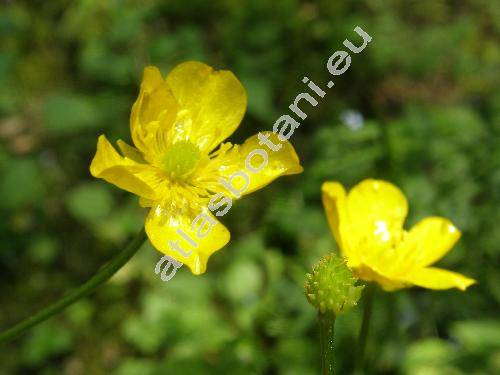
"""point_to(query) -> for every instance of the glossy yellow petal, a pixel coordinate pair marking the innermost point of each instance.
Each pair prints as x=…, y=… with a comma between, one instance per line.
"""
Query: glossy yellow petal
x=429, y=240
x=121, y=171
x=244, y=167
x=165, y=227
x=377, y=210
x=175, y=125
x=389, y=284
x=436, y=278
x=212, y=104
x=130, y=152
x=335, y=205
x=368, y=225
x=146, y=203
x=153, y=113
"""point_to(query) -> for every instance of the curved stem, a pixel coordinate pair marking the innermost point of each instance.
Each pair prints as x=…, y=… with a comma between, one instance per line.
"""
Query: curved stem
x=326, y=337
x=84, y=290
x=365, y=326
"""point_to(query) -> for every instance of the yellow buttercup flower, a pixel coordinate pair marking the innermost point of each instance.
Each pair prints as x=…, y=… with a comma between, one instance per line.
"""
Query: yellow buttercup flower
x=179, y=167
x=367, y=224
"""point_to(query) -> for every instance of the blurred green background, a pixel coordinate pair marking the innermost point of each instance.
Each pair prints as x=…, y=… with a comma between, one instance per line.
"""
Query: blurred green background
x=420, y=106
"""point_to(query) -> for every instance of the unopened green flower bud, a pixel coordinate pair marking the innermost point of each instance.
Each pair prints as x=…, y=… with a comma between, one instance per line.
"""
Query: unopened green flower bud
x=331, y=286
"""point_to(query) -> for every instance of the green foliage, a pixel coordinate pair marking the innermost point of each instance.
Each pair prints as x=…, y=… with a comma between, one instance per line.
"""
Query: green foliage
x=427, y=88
x=90, y=202
x=63, y=114
x=45, y=341
x=21, y=183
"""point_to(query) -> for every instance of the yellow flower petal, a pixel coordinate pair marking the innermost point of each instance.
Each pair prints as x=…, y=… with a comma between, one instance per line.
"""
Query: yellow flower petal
x=436, y=278
x=335, y=204
x=146, y=203
x=212, y=103
x=429, y=240
x=368, y=225
x=130, y=152
x=163, y=228
x=175, y=124
x=377, y=210
x=121, y=171
x=153, y=113
x=279, y=163
x=389, y=284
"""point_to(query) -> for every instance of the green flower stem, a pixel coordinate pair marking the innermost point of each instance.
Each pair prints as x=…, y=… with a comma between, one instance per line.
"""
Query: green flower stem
x=365, y=326
x=326, y=338
x=84, y=290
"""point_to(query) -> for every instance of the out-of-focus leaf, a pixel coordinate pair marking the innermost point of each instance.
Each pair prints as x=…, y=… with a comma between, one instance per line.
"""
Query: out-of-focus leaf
x=430, y=355
x=134, y=366
x=243, y=281
x=90, y=202
x=43, y=250
x=45, y=341
x=21, y=183
x=69, y=114
x=479, y=335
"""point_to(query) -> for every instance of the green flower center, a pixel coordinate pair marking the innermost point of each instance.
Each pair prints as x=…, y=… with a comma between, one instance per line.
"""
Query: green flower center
x=180, y=159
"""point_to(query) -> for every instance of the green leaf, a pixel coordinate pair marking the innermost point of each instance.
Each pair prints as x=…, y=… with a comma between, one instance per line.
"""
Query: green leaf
x=430, y=354
x=69, y=114
x=43, y=249
x=478, y=335
x=21, y=183
x=90, y=202
x=45, y=341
